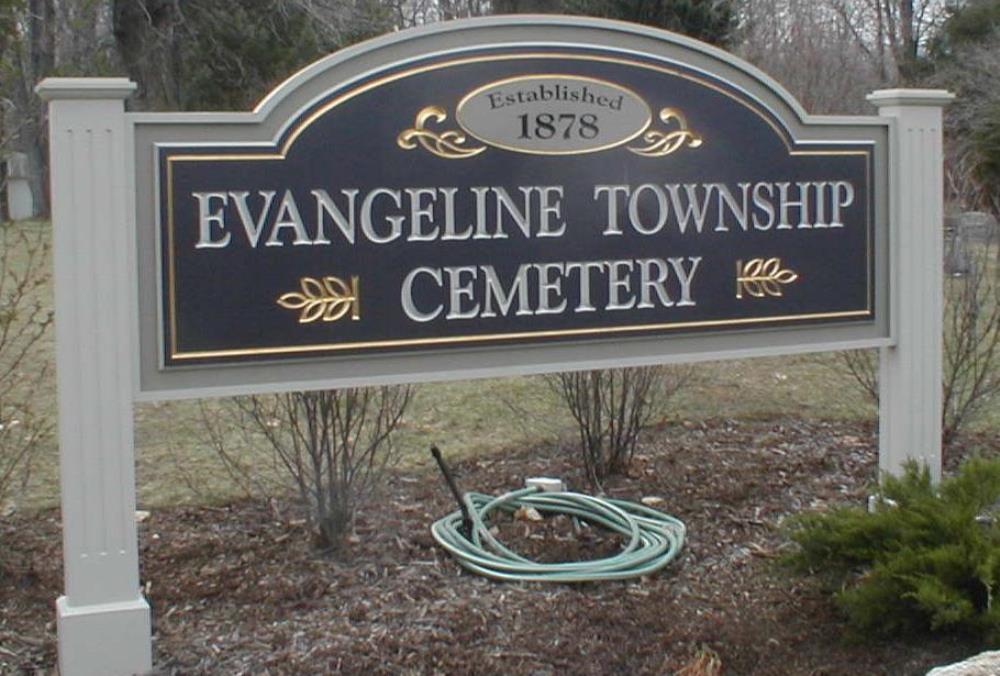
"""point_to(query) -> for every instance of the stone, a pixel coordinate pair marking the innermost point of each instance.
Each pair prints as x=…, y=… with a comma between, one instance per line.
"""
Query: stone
x=983, y=664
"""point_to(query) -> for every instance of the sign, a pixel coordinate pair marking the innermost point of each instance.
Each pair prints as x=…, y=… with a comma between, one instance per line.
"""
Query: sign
x=492, y=197
x=502, y=196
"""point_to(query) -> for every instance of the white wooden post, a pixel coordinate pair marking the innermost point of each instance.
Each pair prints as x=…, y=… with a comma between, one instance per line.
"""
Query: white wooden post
x=103, y=620
x=910, y=372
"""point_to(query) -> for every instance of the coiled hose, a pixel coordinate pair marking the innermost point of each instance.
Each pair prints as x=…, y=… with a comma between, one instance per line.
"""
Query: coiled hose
x=654, y=537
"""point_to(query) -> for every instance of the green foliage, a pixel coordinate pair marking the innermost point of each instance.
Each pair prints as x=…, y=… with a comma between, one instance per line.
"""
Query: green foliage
x=236, y=50
x=227, y=54
x=968, y=23
x=927, y=560
x=986, y=141
x=964, y=57
x=711, y=21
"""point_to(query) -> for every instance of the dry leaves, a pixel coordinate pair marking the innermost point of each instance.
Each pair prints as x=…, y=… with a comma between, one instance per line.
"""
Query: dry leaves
x=239, y=589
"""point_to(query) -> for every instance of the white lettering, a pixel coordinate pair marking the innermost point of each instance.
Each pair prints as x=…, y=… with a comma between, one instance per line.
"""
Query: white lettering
x=764, y=204
x=207, y=218
x=843, y=197
x=685, y=278
x=326, y=206
x=547, y=208
x=253, y=227
x=288, y=217
x=406, y=295
x=612, y=191
x=547, y=287
x=395, y=222
x=457, y=291
x=617, y=283
x=657, y=284
x=494, y=290
x=661, y=209
x=695, y=210
x=419, y=212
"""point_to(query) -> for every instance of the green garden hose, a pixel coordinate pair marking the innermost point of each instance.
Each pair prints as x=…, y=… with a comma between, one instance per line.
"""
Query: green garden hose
x=654, y=537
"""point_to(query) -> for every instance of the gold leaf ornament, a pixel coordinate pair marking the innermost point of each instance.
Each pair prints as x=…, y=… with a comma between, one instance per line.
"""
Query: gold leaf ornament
x=662, y=143
x=762, y=277
x=447, y=144
x=325, y=299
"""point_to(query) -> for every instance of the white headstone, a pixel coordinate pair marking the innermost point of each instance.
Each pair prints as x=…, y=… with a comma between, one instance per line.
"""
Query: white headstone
x=20, y=201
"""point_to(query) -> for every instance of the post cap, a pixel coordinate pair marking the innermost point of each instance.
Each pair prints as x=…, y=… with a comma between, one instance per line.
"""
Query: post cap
x=911, y=97
x=84, y=88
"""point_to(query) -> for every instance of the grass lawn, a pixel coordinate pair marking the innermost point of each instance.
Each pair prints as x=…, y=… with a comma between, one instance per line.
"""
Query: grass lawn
x=176, y=465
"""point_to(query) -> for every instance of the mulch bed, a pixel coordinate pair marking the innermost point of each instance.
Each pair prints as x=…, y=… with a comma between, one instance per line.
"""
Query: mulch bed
x=240, y=589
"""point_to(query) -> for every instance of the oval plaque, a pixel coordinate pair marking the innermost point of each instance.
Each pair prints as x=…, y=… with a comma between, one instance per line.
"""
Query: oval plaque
x=553, y=114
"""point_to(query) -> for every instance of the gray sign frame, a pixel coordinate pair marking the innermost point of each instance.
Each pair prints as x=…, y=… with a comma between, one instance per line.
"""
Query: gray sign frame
x=263, y=125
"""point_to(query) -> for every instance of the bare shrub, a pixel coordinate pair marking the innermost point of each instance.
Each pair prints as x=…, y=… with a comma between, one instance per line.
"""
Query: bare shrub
x=971, y=340
x=330, y=447
x=611, y=407
x=971, y=343
x=862, y=366
x=24, y=321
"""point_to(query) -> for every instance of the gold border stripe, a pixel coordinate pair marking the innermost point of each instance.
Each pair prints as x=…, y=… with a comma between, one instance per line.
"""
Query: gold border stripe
x=510, y=336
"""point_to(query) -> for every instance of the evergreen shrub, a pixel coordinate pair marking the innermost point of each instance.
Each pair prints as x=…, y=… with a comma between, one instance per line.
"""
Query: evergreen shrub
x=926, y=560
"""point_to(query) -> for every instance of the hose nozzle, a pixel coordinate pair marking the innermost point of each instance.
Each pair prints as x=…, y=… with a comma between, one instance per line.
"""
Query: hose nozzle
x=466, y=529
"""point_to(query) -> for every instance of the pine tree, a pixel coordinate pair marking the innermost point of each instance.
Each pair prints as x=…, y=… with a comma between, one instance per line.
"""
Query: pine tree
x=712, y=21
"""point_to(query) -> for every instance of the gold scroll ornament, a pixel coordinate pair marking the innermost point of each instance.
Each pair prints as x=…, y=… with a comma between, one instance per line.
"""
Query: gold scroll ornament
x=447, y=144
x=662, y=143
x=326, y=299
x=762, y=277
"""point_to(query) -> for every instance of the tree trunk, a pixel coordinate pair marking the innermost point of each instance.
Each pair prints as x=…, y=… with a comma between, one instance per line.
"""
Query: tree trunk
x=29, y=113
x=907, y=56
x=145, y=35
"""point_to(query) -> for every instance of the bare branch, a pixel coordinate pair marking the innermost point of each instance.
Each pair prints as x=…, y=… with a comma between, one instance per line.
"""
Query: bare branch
x=611, y=407
x=331, y=447
x=25, y=319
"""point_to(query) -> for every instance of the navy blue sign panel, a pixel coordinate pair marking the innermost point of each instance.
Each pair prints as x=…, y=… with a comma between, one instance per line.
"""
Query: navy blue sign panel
x=510, y=195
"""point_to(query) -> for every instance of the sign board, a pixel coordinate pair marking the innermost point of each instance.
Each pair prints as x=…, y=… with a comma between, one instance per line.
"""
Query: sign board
x=501, y=194
x=490, y=197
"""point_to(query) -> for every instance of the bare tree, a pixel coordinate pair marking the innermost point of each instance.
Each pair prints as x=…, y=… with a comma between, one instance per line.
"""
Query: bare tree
x=27, y=53
x=144, y=32
x=830, y=53
x=39, y=38
x=418, y=12
x=332, y=448
x=611, y=407
x=808, y=49
x=83, y=40
x=891, y=33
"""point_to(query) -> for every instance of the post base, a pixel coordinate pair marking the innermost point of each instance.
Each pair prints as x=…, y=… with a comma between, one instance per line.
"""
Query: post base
x=104, y=639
